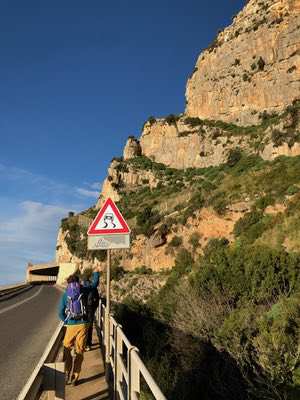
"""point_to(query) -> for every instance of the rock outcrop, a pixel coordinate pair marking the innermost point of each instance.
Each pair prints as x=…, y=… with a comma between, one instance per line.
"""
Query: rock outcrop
x=187, y=142
x=132, y=148
x=123, y=175
x=251, y=67
x=180, y=145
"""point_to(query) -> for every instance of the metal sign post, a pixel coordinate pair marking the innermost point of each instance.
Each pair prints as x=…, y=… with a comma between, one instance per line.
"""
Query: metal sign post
x=107, y=310
x=108, y=231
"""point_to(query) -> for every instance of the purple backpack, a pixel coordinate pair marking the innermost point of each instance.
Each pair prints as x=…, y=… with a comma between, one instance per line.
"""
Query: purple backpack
x=75, y=308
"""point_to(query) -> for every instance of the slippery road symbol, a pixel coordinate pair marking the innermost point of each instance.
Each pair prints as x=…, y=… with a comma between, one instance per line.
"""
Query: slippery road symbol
x=109, y=221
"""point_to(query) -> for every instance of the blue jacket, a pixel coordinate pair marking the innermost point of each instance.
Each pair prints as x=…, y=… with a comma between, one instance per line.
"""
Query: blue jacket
x=64, y=300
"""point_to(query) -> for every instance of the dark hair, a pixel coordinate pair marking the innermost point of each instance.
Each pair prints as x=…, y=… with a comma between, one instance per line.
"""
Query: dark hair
x=73, y=278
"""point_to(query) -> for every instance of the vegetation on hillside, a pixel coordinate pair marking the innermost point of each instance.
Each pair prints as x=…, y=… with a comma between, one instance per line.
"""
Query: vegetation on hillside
x=226, y=325
x=180, y=193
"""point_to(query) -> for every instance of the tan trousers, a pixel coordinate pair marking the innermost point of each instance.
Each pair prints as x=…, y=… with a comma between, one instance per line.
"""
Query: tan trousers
x=75, y=335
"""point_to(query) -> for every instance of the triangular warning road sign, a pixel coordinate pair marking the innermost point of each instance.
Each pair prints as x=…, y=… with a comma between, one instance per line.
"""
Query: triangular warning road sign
x=108, y=220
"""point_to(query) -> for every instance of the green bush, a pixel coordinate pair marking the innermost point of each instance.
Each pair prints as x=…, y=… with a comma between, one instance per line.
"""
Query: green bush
x=143, y=270
x=256, y=274
x=264, y=202
x=116, y=272
x=193, y=121
x=278, y=137
x=172, y=119
x=194, y=240
x=146, y=220
x=267, y=341
x=219, y=202
x=236, y=333
x=176, y=241
x=246, y=222
x=291, y=190
x=234, y=157
x=277, y=342
x=246, y=164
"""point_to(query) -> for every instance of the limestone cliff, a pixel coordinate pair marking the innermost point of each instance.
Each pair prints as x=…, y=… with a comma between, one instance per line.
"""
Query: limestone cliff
x=251, y=67
x=121, y=175
x=187, y=142
x=190, y=178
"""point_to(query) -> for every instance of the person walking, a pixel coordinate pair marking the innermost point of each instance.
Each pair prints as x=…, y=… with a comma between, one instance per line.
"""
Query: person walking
x=92, y=305
x=73, y=311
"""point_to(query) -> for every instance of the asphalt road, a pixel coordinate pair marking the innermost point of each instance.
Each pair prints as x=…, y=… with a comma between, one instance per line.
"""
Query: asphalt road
x=27, y=322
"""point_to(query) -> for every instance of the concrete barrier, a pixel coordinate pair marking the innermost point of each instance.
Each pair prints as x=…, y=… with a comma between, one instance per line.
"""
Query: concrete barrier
x=43, y=372
x=54, y=381
x=6, y=292
x=4, y=288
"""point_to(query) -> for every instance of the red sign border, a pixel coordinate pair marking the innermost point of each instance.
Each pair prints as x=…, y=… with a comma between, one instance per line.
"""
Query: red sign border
x=125, y=229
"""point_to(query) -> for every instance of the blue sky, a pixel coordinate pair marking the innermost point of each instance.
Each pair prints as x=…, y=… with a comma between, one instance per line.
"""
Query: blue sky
x=77, y=78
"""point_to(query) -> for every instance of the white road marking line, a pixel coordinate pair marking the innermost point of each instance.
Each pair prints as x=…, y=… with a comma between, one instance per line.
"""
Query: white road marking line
x=21, y=302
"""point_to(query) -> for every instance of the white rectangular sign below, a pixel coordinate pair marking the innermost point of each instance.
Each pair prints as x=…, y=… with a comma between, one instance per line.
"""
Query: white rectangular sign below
x=105, y=242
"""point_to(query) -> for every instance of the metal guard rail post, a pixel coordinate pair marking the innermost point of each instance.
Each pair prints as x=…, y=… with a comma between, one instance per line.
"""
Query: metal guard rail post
x=126, y=364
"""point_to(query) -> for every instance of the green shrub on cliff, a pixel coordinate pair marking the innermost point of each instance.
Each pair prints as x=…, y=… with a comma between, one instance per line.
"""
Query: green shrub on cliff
x=146, y=219
x=236, y=309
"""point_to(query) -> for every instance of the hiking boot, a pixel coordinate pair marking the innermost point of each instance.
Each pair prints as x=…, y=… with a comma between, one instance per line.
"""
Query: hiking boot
x=75, y=380
x=68, y=378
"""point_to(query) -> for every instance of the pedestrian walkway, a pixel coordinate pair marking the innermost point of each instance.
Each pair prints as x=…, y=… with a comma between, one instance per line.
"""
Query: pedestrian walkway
x=92, y=384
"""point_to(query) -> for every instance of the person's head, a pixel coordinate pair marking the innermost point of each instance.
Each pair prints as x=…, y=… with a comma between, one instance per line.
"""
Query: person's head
x=86, y=274
x=86, y=283
x=73, y=278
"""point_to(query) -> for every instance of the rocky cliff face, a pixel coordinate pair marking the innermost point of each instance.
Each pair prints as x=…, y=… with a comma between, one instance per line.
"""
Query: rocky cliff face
x=183, y=144
x=188, y=142
x=251, y=67
x=124, y=175
x=250, y=73
x=241, y=102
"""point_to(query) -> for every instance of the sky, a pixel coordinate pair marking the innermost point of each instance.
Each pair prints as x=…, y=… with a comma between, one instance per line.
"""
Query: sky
x=77, y=78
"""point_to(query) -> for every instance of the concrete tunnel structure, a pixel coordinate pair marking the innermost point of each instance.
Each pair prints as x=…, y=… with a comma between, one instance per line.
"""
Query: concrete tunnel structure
x=42, y=273
x=51, y=272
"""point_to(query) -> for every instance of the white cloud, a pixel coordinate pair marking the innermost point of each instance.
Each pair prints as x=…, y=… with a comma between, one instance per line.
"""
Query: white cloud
x=88, y=193
x=33, y=222
x=28, y=236
x=31, y=207
x=96, y=185
x=39, y=185
x=45, y=187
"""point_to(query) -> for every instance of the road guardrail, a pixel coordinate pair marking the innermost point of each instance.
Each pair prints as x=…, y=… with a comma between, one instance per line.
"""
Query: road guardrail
x=7, y=291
